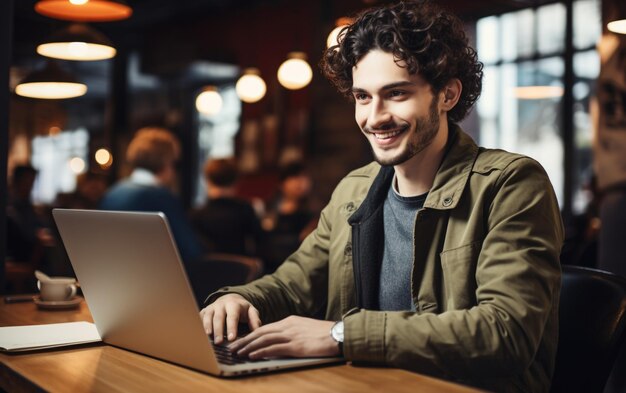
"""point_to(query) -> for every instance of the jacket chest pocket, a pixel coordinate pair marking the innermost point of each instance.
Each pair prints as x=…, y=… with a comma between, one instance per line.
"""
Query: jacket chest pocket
x=458, y=266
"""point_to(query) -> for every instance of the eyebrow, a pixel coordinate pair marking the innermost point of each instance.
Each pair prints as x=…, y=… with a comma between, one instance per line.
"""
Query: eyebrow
x=393, y=85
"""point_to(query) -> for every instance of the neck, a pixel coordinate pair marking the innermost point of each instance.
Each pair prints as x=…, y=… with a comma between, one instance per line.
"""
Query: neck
x=416, y=175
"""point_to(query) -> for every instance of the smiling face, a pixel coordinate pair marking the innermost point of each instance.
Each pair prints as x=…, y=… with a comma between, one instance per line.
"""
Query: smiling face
x=396, y=111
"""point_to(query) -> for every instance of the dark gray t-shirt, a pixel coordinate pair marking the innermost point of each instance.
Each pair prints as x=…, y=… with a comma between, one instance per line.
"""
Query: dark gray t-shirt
x=395, y=275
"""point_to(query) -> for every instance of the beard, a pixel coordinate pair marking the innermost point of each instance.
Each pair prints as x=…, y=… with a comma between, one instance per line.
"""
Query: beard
x=421, y=137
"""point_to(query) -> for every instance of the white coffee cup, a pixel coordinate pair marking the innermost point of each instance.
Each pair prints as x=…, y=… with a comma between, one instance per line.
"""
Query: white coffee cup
x=56, y=289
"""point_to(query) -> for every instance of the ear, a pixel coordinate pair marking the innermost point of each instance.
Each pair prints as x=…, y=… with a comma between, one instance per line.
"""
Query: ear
x=450, y=94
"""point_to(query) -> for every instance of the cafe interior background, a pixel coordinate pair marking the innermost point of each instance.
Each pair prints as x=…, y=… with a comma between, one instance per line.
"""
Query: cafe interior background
x=177, y=64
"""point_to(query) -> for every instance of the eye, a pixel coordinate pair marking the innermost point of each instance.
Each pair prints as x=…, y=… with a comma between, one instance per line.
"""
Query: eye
x=360, y=97
x=397, y=93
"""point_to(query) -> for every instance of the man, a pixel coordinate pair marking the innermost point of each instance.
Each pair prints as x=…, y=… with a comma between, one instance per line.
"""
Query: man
x=442, y=257
x=226, y=223
x=153, y=154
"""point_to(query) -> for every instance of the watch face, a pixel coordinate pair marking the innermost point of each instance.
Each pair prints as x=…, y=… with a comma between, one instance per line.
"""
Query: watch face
x=337, y=331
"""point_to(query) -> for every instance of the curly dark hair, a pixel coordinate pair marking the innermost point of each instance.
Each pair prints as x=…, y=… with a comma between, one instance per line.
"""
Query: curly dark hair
x=428, y=39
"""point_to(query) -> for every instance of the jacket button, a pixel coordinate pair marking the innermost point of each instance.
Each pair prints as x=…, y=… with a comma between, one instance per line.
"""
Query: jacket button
x=447, y=202
x=348, y=250
x=350, y=206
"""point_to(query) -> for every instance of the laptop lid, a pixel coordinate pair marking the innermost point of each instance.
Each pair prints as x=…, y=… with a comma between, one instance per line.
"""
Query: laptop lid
x=138, y=292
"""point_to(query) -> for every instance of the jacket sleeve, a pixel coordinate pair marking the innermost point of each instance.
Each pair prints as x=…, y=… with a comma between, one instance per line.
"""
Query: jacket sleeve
x=517, y=279
x=299, y=286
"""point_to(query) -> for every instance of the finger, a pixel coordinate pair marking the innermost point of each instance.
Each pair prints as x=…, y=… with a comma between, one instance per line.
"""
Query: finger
x=262, y=342
x=242, y=341
x=232, y=320
x=276, y=350
x=218, y=326
x=254, y=319
x=207, y=320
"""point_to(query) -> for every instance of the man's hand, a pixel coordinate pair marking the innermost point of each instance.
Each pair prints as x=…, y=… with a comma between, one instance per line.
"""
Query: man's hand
x=293, y=337
x=230, y=309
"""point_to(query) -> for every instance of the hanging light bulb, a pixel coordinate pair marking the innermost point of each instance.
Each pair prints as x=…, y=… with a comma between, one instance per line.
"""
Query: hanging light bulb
x=77, y=42
x=50, y=83
x=250, y=87
x=77, y=165
x=103, y=158
x=295, y=73
x=84, y=10
x=340, y=24
x=209, y=102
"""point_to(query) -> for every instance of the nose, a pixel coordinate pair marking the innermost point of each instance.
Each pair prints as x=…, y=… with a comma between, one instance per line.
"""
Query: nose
x=378, y=115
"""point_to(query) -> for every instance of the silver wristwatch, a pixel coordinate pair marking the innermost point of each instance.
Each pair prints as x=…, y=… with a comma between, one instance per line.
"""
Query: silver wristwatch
x=336, y=332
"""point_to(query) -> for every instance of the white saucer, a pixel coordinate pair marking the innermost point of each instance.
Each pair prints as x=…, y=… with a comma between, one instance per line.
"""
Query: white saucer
x=57, y=304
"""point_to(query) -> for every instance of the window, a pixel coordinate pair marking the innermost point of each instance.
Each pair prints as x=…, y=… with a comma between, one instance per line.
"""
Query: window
x=525, y=50
x=58, y=159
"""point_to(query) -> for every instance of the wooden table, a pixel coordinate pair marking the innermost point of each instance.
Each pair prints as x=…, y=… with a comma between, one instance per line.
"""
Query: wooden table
x=103, y=368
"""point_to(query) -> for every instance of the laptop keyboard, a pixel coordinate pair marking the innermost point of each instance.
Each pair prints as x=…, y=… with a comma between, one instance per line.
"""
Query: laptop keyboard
x=225, y=356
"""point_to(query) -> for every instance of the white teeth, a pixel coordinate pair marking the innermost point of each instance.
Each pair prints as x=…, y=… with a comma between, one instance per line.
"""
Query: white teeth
x=386, y=135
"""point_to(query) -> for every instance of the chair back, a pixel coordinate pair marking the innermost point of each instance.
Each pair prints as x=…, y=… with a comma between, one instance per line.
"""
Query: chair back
x=216, y=270
x=592, y=320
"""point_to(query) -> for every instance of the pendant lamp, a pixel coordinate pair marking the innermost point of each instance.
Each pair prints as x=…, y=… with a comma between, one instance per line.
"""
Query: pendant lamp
x=84, y=10
x=77, y=42
x=617, y=26
x=209, y=102
x=295, y=73
x=250, y=87
x=51, y=82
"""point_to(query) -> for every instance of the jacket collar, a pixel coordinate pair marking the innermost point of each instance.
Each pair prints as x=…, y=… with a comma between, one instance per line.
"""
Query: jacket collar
x=449, y=183
x=454, y=171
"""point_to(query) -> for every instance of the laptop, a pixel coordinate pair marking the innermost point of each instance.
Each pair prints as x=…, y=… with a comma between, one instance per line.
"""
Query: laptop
x=139, y=295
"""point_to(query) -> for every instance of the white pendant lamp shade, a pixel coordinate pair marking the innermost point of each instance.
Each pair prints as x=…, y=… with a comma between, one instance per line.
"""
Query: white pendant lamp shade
x=77, y=42
x=617, y=26
x=295, y=73
x=209, y=102
x=84, y=10
x=250, y=87
x=50, y=83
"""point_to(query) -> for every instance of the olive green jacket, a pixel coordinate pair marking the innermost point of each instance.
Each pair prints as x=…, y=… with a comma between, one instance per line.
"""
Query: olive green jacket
x=486, y=273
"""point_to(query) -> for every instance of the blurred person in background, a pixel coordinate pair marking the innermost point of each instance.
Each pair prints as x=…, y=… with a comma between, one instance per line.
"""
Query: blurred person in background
x=153, y=154
x=27, y=232
x=226, y=223
x=90, y=188
x=289, y=218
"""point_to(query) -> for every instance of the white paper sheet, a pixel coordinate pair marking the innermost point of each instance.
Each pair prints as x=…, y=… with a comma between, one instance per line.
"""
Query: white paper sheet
x=32, y=337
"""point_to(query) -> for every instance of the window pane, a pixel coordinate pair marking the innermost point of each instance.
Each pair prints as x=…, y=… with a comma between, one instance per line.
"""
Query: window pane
x=586, y=70
x=487, y=37
x=52, y=156
x=587, y=23
x=551, y=29
x=518, y=29
x=487, y=108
